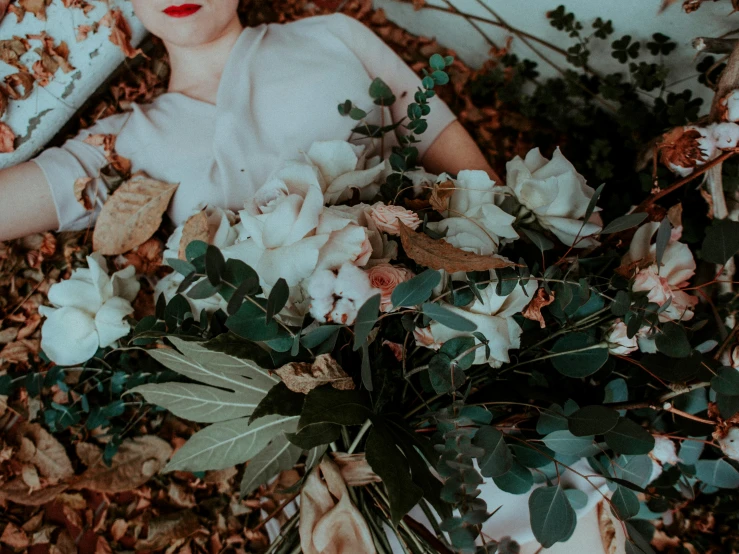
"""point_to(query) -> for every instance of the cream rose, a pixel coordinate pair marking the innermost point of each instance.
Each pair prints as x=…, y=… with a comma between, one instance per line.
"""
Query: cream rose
x=386, y=277
x=388, y=218
x=619, y=344
x=554, y=193
x=663, y=283
x=344, y=166
x=277, y=231
x=493, y=317
x=88, y=311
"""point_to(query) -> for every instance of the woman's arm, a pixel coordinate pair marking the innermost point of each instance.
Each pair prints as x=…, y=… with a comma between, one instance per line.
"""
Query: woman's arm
x=454, y=150
x=26, y=204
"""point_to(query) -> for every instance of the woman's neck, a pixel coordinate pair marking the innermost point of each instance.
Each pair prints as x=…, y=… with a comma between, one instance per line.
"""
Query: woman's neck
x=196, y=70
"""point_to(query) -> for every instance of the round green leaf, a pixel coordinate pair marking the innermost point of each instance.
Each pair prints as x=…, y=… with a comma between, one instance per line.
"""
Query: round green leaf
x=592, y=420
x=575, y=361
x=717, y=473
x=672, y=341
x=726, y=381
x=624, y=503
x=551, y=515
x=629, y=438
x=497, y=459
x=518, y=480
x=564, y=442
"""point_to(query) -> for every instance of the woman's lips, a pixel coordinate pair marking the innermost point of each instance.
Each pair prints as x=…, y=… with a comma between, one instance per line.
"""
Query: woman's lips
x=182, y=11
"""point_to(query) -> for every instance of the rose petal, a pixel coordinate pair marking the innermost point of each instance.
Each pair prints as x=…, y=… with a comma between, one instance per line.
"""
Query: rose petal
x=109, y=321
x=69, y=337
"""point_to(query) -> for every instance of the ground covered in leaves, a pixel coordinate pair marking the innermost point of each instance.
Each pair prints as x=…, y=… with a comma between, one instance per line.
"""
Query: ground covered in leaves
x=57, y=494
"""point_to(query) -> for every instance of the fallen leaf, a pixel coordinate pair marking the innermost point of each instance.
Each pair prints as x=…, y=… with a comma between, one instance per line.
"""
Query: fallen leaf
x=120, y=164
x=441, y=194
x=118, y=529
x=146, y=258
x=3, y=8
x=132, y=214
x=36, y=7
x=304, y=377
x=40, y=448
x=30, y=477
x=439, y=254
x=533, y=310
x=80, y=192
x=136, y=461
x=7, y=138
x=355, y=470
x=3, y=102
x=14, y=536
x=17, y=491
x=195, y=228
x=22, y=79
x=12, y=49
x=165, y=530
x=84, y=6
x=120, y=33
x=84, y=30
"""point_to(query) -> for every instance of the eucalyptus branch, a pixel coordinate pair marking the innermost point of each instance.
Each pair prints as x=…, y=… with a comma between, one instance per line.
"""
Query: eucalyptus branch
x=659, y=403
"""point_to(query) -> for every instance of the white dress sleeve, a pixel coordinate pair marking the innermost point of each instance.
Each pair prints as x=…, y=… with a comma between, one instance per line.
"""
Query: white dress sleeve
x=380, y=60
x=62, y=165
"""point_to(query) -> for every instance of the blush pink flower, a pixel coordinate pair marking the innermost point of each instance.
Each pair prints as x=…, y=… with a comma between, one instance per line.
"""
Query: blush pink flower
x=386, y=277
x=425, y=338
x=388, y=218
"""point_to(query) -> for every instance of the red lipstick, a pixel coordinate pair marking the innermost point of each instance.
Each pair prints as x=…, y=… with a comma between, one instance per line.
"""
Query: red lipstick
x=181, y=11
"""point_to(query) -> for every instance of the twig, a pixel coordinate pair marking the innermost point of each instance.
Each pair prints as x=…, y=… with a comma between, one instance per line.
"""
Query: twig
x=707, y=45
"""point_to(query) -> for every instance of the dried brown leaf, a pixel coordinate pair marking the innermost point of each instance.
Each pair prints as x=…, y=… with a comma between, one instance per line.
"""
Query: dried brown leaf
x=304, y=377
x=132, y=214
x=533, y=310
x=195, y=228
x=17, y=491
x=136, y=461
x=36, y=7
x=3, y=101
x=165, y=530
x=3, y=8
x=7, y=139
x=80, y=192
x=441, y=195
x=146, y=258
x=12, y=49
x=355, y=469
x=120, y=32
x=40, y=448
x=439, y=254
x=14, y=536
x=22, y=79
x=675, y=215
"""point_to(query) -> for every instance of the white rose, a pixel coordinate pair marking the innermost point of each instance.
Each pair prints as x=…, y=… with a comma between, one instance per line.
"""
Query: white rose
x=169, y=284
x=89, y=311
x=556, y=194
x=277, y=231
x=730, y=105
x=349, y=240
x=494, y=320
x=725, y=135
x=665, y=282
x=221, y=232
x=344, y=166
x=619, y=343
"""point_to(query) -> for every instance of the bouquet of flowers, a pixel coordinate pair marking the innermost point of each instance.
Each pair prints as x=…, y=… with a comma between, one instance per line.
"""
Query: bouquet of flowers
x=408, y=340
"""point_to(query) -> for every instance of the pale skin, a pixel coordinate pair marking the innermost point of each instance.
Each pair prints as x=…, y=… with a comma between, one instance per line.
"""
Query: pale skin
x=198, y=47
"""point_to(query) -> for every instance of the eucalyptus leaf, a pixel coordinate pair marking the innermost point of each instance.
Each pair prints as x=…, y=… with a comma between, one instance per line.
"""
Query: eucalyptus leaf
x=551, y=515
x=624, y=222
x=717, y=473
x=366, y=319
x=497, y=459
x=629, y=438
x=279, y=455
x=592, y=420
x=624, y=503
x=448, y=318
x=416, y=290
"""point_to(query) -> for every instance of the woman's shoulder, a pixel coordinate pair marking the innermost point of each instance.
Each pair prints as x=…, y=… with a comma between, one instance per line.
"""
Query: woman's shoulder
x=319, y=24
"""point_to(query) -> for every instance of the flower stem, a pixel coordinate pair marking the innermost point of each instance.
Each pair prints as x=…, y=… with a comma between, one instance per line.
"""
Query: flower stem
x=362, y=431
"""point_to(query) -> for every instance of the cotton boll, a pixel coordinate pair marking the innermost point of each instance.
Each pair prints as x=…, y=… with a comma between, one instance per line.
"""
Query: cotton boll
x=730, y=106
x=730, y=444
x=337, y=297
x=725, y=135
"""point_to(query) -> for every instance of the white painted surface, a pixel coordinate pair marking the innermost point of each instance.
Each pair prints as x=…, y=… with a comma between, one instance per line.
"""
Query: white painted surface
x=638, y=18
x=94, y=60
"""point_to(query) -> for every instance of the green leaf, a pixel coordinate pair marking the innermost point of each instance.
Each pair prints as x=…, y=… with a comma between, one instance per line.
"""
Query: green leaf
x=551, y=420
x=672, y=341
x=203, y=289
x=564, y=442
x=624, y=222
x=633, y=469
x=180, y=266
x=366, y=319
x=417, y=290
x=497, y=459
x=379, y=90
x=222, y=445
x=195, y=249
x=319, y=335
x=448, y=318
x=721, y=242
x=592, y=203
x=717, y=473
x=578, y=499
x=551, y=515
x=726, y=381
x=629, y=438
x=327, y=405
x=199, y=402
x=387, y=461
x=539, y=240
x=663, y=238
x=532, y=455
x=249, y=322
x=234, y=346
x=517, y=481
x=578, y=364
x=624, y=503
x=214, y=368
x=215, y=265
x=639, y=543
x=279, y=455
x=318, y=434
x=621, y=303
x=437, y=61
x=445, y=377
x=278, y=297
x=456, y=347
x=592, y=420
x=279, y=400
